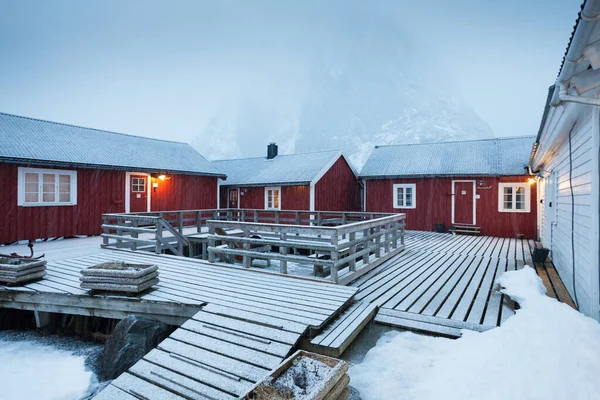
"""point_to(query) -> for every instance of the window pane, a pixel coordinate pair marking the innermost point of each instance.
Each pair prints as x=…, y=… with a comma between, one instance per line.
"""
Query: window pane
x=508, y=205
x=64, y=188
x=408, y=202
x=31, y=197
x=276, y=195
x=49, y=188
x=400, y=196
x=520, y=198
x=31, y=178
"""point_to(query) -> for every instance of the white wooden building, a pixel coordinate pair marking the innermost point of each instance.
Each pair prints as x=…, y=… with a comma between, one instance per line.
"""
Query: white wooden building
x=565, y=157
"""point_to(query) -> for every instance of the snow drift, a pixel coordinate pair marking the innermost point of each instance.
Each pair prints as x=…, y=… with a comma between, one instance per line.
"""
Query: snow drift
x=546, y=350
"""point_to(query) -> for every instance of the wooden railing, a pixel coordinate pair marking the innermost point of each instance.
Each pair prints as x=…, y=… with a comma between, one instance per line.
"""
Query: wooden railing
x=348, y=250
x=349, y=244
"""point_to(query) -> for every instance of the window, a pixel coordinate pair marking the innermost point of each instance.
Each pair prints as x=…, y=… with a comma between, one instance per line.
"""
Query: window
x=513, y=197
x=46, y=187
x=405, y=195
x=138, y=185
x=272, y=198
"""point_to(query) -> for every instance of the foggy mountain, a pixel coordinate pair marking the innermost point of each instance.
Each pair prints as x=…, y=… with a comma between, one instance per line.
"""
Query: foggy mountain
x=365, y=87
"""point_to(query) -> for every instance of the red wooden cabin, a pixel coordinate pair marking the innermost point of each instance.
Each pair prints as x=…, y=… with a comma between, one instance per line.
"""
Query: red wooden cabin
x=482, y=185
x=319, y=181
x=58, y=179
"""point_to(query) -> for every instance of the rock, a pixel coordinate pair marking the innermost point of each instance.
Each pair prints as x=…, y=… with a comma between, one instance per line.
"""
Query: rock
x=131, y=339
x=354, y=394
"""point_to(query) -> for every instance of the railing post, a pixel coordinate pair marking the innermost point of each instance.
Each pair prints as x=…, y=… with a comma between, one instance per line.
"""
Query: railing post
x=105, y=230
x=198, y=221
x=366, y=241
x=211, y=242
x=277, y=216
x=247, y=260
x=378, y=242
x=297, y=216
x=387, y=228
x=120, y=223
x=180, y=221
x=395, y=234
x=243, y=219
x=134, y=234
x=318, y=218
x=352, y=262
x=255, y=215
x=334, y=257
x=158, y=237
x=283, y=250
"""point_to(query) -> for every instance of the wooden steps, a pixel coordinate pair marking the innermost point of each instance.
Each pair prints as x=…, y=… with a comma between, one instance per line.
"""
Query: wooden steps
x=334, y=340
x=465, y=229
x=425, y=323
x=217, y=354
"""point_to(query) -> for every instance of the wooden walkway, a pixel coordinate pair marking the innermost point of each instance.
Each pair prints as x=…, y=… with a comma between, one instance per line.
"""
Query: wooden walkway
x=217, y=354
x=443, y=283
x=185, y=286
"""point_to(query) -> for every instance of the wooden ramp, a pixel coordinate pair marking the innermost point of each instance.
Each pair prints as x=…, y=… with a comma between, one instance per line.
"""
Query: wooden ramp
x=341, y=332
x=443, y=283
x=217, y=354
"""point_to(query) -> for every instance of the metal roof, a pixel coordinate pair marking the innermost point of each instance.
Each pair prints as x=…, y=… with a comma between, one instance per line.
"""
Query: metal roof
x=500, y=156
x=282, y=170
x=37, y=141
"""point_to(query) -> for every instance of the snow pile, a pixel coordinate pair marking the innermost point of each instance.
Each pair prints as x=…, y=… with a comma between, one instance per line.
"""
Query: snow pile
x=304, y=377
x=546, y=350
x=33, y=371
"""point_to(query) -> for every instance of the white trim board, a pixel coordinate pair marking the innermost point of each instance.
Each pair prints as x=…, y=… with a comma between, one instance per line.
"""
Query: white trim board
x=474, y=199
x=128, y=190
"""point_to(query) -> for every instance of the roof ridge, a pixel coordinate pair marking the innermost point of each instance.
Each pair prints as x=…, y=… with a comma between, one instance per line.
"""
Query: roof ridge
x=458, y=141
x=279, y=155
x=93, y=129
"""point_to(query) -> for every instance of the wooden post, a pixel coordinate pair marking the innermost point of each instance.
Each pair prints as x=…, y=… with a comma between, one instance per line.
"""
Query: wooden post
x=211, y=242
x=180, y=221
x=247, y=259
x=276, y=217
x=158, y=237
x=334, y=258
x=198, y=220
x=352, y=262
x=366, y=257
x=378, y=242
x=120, y=222
x=283, y=250
x=134, y=234
x=255, y=215
x=105, y=230
x=243, y=212
x=387, y=228
x=318, y=218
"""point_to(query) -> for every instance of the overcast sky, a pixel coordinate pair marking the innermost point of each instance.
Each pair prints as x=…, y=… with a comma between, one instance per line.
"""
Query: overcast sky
x=164, y=68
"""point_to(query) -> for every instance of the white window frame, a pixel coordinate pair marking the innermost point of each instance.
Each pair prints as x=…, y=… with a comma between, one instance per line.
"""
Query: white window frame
x=514, y=185
x=413, y=187
x=272, y=188
x=56, y=172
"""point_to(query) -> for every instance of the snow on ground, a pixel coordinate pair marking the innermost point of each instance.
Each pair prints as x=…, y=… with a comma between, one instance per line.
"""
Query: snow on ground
x=58, y=249
x=546, y=350
x=33, y=368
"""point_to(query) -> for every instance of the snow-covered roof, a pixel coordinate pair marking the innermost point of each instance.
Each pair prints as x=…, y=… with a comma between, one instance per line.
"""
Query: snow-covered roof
x=500, y=156
x=288, y=169
x=50, y=143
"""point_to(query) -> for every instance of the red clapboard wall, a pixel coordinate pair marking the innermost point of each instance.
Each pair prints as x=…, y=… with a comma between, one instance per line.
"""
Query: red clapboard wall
x=434, y=205
x=338, y=189
x=98, y=192
x=292, y=197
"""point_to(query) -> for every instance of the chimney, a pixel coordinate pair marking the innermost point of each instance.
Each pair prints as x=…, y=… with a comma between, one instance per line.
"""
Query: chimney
x=271, y=151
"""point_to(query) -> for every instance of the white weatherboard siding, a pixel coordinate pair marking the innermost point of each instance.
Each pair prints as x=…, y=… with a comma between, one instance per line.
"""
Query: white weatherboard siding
x=557, y=212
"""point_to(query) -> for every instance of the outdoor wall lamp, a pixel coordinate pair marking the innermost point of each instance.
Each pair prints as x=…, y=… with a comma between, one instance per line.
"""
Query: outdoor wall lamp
x=155, y=186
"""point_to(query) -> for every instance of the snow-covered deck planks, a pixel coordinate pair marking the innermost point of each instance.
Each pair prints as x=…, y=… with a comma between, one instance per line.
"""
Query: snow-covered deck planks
x=443, y=283
x=185, y=285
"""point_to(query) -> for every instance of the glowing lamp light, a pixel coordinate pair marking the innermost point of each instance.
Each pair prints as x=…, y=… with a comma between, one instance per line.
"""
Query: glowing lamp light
x=531, y=181
x=162, y=177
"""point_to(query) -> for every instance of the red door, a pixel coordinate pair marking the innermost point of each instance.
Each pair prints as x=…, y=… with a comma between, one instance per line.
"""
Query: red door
x=464, y=203
x=138, y=193
x=233, y=198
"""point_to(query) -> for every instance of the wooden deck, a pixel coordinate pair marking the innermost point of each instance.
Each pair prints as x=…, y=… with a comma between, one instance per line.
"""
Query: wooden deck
x=185, y=286
x=443, y=283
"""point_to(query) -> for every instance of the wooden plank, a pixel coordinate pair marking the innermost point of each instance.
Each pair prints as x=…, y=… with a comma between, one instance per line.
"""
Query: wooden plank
x=435, y=320
x=333, y=331
x=112, y=392
x=274, y=322
x=417, y=326
x=351, y=331
x=462, y=308
x=561, y=291
x=492, y=312
x=175, y=383
x=477, y=312
x=197, y=370
x=143, y=389
x=262, y=331
x=217, y=361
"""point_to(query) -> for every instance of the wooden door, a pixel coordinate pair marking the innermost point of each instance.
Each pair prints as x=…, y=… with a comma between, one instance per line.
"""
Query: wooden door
x=234, y=199
x=464, y=203
x=138, y=193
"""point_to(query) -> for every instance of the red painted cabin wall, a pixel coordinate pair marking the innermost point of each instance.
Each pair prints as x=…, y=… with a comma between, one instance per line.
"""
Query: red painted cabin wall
x=434, y=205
x=98, y=192
x=184, y=192
x=292, y=197
x=338, y=189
